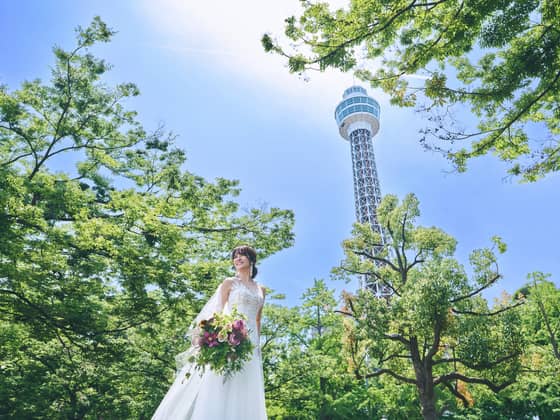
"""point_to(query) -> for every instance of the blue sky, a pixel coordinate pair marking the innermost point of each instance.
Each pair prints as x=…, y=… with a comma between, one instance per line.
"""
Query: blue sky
x=239, y=114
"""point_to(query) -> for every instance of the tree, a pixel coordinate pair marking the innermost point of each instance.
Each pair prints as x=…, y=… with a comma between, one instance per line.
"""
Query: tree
x=544, y=312
x=435, y=332
x=536, y=394
x=102, y=268
x=306, y=374
x=500, y=59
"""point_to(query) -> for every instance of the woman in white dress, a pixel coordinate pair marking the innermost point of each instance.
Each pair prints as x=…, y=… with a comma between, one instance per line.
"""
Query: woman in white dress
x=208, y=396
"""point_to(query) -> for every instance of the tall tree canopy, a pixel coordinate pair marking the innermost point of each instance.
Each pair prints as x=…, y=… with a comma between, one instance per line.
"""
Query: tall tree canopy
x=306, y=374
x=102, y=267
x=435, y=331
x=536, y=394
x=500, y=58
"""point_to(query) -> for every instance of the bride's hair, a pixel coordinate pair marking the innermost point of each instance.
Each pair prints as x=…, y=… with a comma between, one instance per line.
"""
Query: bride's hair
x=250, y=253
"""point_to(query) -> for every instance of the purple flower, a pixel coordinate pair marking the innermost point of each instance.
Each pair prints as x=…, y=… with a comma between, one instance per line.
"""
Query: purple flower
x=210, y=339
x=234, y=340
x=238, y=324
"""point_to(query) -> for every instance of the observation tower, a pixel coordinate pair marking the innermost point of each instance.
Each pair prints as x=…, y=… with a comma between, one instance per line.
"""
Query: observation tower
x=357, y=117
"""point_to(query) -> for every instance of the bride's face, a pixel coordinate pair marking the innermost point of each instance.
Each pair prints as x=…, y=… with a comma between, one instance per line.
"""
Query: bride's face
x=241, y=262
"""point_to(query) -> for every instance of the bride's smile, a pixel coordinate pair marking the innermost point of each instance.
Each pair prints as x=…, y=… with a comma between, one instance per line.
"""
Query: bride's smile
x=241, y=261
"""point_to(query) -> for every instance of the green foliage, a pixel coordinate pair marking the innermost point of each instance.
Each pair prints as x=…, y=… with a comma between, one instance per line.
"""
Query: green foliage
x=543, y=313
x=435, y=331
x=500, y=58
x=538, y=391
x=102, y=268
x=306, y=373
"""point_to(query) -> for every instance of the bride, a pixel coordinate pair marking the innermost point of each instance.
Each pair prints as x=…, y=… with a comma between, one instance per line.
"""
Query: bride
x=206, y=396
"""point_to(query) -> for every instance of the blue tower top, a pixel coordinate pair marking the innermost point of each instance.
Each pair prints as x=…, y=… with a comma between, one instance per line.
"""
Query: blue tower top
x=357, y=110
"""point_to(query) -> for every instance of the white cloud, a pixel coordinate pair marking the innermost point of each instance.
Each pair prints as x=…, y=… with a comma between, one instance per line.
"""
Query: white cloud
x=197, y=51
x=229, y=33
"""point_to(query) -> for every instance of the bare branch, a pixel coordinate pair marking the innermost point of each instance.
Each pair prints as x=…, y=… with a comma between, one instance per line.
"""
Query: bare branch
x=477, y=366
x=404, y=270
x=337, y=311
x=24, y=136
x=395, y=356
x=397, y=337
x=9, y=162
x=500, y=130
x=455, y=392
x=437, y=336
x=507, y=308
x=551, y=334
x=376, y=275
x=481, y=381
x=376, y=258
x=480, y=289
x=389, y=372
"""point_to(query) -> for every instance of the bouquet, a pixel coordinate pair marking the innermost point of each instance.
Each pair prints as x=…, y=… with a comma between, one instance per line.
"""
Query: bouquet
x=222, y=343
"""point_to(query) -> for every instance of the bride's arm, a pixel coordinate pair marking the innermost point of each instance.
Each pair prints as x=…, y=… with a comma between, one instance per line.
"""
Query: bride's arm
x=225, y=289
x=259, y=313
x=215, y=304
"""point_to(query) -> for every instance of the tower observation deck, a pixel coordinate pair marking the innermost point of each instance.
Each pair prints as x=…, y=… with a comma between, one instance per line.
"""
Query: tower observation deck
x=357, y=117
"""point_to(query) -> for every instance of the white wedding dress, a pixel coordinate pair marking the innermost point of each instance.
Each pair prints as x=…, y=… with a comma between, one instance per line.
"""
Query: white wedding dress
x=207, y=396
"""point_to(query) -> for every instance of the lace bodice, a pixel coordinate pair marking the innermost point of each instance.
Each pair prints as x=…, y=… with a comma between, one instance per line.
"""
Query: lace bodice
x=249, y=300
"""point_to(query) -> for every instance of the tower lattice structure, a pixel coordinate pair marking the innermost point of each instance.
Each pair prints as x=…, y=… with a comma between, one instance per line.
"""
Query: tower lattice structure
x=357, y=117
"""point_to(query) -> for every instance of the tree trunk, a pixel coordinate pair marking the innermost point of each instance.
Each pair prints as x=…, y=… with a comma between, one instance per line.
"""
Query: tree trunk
x=428, y=406
x=424, y=382
x=427, y=395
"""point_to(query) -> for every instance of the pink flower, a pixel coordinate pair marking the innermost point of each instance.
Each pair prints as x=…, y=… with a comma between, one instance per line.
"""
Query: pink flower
x=234, y=340
x=210, y=339
x=238, y=324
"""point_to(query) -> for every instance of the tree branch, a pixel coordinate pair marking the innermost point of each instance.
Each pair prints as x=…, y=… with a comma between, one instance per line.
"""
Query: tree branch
x=455, y=392
x=56, y=135
x=403, y=263
x=551, y=333
x=389, y=372
x=376, y=258
x=24, y=136
x=500, y=130
x=377, y=276
x=477, y=366
x=394, y=356
x=437, y=336
x=481, y=381
x=507, y=308
x=416, y=261
x=480, y=289
x=397, y=337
